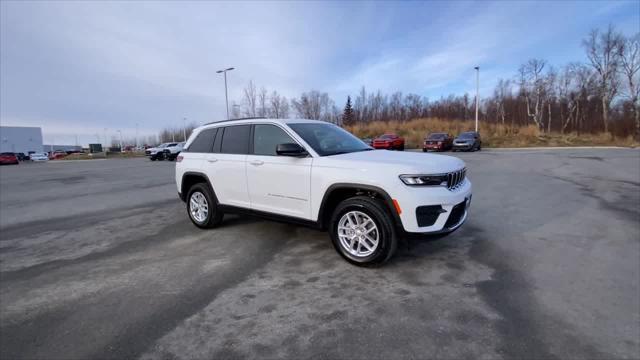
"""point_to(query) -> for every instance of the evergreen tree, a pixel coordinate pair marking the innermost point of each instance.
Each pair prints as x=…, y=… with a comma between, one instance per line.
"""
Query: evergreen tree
x=348, y=116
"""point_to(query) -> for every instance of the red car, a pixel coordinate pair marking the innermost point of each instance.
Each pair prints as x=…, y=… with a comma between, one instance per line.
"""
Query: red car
x=8, y=158
x=389, y=142
x=438, y=142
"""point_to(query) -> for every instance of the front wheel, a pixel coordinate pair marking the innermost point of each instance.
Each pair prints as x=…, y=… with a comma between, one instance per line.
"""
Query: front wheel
x=363, y=232
x=202, y=207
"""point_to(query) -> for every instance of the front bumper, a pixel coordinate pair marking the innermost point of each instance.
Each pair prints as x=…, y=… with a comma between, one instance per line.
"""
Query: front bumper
x=463, y=146
x=433, y=147
x=453, y=207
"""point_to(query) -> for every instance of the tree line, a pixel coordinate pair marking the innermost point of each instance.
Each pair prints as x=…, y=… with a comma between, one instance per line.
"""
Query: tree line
x=600, y=94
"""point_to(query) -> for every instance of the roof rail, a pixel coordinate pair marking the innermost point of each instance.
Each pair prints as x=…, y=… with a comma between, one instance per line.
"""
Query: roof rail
x=244, y=118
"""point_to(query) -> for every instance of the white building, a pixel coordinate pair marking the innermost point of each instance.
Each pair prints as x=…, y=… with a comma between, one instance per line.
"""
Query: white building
x=20, y=139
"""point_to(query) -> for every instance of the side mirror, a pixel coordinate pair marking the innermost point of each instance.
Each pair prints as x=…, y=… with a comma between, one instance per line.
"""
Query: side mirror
x=291, y=149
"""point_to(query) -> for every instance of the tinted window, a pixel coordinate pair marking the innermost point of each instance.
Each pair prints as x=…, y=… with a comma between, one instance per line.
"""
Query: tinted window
x=468, y=135
x=203, y=143
x=387, y=136
x=328, y=139
x=437, y=136
x=235, y=139
x=267, y=137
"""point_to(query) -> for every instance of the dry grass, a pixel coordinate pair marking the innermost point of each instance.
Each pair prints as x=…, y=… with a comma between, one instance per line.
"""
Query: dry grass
x=493, y=135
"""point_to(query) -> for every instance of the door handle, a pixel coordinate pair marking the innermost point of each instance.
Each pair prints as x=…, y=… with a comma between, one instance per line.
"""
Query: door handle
x=256, y=162
x=212, y=160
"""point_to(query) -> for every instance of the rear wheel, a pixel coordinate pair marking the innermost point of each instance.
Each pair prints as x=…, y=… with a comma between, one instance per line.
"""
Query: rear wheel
x=363, y=232
x=202, y=207
x=402, y=147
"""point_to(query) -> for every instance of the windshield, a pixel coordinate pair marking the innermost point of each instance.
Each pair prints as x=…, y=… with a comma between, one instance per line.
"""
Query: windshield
x=436, y=136
x=387, y=136
x=328, y=139
x=466, y=136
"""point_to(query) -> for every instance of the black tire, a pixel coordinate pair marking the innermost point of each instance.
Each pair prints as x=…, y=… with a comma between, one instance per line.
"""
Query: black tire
x=379, y=214
x=402, y=147
x=479, y=147
x=214, y=216
x=424, y=150
x=152, y=158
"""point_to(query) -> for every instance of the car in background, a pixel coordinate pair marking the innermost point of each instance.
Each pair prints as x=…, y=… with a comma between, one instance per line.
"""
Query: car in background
x=8, y=158
x=39, y=157
x=467, y=141
x=389, y=142
x=22, y=156
x=368, y=141
x=172, y=151
x=437, y=142
x=58, y=154
x=157, y=152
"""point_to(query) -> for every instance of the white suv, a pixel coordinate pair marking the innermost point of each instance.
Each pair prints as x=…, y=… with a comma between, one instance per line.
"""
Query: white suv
x=315, y=173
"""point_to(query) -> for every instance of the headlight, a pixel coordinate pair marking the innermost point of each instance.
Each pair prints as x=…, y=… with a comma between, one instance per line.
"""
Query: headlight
x=424, y=180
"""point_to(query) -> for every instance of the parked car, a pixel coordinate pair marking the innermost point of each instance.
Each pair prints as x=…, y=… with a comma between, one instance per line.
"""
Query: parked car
x=22, y=156
x=172, y=151
x=389, y=142
x=8, y=158
x=318, y=174
x=58, y=154
x=39, y=157
x=437, y=142
x=467, y=141
x=157, y=153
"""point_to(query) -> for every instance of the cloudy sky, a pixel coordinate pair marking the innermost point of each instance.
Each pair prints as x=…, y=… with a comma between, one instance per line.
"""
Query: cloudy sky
x=76, y=68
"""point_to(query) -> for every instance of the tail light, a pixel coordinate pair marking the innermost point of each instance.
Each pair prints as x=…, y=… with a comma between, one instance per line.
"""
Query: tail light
x=179, y=158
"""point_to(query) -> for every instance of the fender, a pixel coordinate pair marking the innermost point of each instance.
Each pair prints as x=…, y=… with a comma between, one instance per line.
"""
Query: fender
x=183, y=193
x=353, y=186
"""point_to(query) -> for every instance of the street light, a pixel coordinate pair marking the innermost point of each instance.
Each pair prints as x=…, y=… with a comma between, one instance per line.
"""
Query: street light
x=226, y=97
x=120, y=132
x=477, y=93
x=184, y=128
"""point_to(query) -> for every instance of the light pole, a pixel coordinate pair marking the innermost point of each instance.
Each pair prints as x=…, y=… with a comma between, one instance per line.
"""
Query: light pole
x=120, y=132
x=226, y=97
x=184, y=128
x=137, y=137
x=477, y=93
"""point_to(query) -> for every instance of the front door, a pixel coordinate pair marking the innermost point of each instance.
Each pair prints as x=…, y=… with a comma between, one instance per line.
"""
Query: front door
x=278, y=184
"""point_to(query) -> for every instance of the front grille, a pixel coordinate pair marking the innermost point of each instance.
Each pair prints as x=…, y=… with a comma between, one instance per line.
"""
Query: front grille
x=456, y=178
x=456, y=214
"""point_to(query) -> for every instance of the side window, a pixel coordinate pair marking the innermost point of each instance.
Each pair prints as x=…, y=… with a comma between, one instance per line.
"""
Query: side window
x=203, y=143
x=236, y=139
x=267, y=137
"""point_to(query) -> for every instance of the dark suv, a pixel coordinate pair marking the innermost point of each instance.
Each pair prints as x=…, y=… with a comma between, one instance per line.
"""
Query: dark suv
x=467, y=141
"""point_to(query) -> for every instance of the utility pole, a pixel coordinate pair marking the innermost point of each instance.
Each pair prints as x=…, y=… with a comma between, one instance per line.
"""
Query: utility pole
x=184, y=128
x=477, y=93
x=119, y=131
x=226, y=97
x=137, y=137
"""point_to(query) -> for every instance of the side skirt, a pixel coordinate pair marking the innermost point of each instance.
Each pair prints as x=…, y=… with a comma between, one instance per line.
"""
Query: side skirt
x=230, y=209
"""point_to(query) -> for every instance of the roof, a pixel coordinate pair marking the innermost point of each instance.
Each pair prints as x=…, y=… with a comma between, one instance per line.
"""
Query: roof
x=254, y=120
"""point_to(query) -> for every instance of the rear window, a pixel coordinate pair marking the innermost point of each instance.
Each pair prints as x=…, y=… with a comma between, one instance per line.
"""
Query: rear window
x=203, y=143
x=235, y=139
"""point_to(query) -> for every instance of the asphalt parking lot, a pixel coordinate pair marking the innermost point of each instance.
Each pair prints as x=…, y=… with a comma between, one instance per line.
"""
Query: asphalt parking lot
x=99, y=260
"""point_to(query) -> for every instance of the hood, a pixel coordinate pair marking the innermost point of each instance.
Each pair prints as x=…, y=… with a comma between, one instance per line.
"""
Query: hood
x=403, y=162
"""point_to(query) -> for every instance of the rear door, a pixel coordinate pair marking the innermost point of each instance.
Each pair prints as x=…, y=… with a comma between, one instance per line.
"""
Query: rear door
x=193, y=157
x=278, y=184
x=226, y=165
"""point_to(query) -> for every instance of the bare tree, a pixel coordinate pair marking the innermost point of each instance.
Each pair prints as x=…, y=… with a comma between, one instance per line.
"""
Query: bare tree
x=501, y=93
x=603, y=51
x=279, y=106
x=532, y=87
x=235, y=110
x=314, y=105
x=250, y=100
x=262, y=103
x=630, y=70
